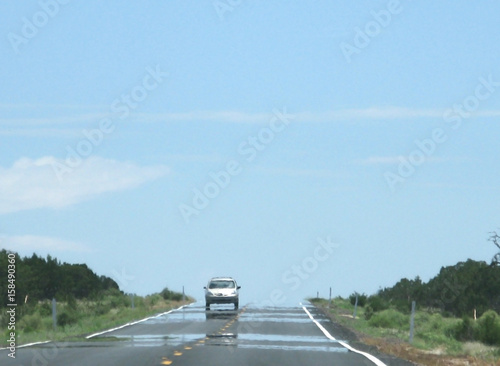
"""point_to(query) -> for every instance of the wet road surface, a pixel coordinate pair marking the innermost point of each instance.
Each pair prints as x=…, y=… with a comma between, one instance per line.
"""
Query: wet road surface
x=192, y=336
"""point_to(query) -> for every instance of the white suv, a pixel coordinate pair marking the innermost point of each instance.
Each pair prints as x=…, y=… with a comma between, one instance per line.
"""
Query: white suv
x=221, y=290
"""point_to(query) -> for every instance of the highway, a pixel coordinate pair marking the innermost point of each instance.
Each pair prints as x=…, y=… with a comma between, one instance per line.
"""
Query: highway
x=191, y=336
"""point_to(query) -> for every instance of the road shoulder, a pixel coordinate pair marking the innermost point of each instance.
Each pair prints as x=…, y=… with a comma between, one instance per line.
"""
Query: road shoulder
x=357, y=341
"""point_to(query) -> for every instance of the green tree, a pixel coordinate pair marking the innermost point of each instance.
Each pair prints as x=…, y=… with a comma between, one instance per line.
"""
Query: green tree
x=45, y=278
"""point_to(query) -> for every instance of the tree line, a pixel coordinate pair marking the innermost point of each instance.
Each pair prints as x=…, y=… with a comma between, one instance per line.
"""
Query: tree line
x=38, y=278
x=457, y=290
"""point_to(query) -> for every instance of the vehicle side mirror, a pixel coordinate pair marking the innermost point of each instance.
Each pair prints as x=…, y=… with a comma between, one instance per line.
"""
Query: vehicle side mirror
x=205, y=287
x=239, y=287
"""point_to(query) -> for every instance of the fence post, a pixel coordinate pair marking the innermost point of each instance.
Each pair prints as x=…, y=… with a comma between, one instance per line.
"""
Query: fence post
x=412, y=320
x=330, y=298
x=54, y=314
x=183, y=295
x=355, y=307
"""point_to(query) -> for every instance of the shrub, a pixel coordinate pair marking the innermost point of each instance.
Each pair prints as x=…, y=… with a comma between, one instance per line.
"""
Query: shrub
x=166, y=293
x=377, y=303
x=66, y=318
x=436, y=322
x=119, y=300
x=71, y=302
x=153, y=299
x=465, y=330
x=368, y=312
x=139, y=301
x=170, y=295
x=389, y=318
x=402, y=306
x=31, y=322
x=45, y=309
x=488, y=330
x=101, y=309
x=430, y=322
x=176, y=296
x=422, y=318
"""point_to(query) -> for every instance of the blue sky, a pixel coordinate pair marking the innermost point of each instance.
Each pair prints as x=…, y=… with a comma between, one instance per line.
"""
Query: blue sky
x=292, y=145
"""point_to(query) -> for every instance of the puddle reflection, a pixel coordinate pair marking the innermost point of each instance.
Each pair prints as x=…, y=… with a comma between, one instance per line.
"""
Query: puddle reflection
x=221, y=314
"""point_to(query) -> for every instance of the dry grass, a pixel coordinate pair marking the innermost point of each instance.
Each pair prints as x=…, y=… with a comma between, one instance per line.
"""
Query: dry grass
x=421, y=357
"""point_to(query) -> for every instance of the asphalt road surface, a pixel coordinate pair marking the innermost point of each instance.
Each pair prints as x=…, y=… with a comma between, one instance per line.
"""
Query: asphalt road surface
x=192, y=336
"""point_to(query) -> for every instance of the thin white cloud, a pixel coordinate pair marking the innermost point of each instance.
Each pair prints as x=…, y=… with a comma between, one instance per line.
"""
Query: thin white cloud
x=44, y=244
x=391, y=160
x=292, y=172
x=197, y=158
x=59, y=120
x=204, y=116
x=379, y=160
x=45, y=106
x=361, y=114
x=464, y=187
x=41, y=132
x=389, y=113
x=33, y=183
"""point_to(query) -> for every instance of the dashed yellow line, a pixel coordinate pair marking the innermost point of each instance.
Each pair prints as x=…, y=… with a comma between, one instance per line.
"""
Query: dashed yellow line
x=166, y=361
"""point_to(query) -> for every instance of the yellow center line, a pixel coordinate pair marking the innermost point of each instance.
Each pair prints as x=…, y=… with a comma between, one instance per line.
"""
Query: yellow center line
x=166, y=361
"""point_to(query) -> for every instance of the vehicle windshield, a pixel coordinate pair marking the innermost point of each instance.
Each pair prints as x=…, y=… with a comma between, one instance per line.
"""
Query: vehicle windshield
x=221, y=284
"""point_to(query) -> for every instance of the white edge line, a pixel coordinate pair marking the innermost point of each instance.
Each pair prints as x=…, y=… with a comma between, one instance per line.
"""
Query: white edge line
x=372, y=358
x=105, y=331
x=133, y=323
x=27, y=345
